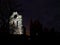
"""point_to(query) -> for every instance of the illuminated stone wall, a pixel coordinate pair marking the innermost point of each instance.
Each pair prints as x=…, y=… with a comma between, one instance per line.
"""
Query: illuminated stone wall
x=16, y=24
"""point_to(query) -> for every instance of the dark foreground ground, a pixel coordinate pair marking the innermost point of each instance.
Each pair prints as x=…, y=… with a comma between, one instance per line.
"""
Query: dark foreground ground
x=5, y=36
x=23, y=39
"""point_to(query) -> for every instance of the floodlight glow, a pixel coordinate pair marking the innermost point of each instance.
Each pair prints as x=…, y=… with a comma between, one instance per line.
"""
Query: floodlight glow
x=17, y=23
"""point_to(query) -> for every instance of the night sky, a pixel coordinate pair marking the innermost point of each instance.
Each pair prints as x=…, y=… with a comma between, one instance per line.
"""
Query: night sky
x=48, y=12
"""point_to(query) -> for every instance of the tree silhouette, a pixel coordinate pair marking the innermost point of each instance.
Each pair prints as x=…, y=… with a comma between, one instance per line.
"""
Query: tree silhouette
x=35, y=29
x=52, y=29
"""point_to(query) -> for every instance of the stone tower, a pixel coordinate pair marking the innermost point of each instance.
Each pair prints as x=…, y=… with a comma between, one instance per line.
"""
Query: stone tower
x=16, y=24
